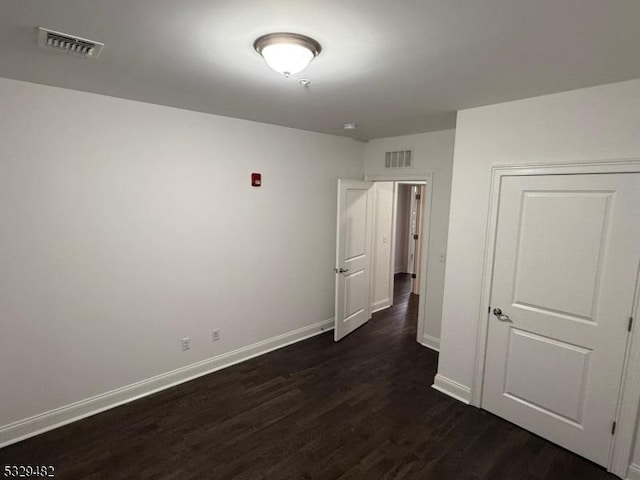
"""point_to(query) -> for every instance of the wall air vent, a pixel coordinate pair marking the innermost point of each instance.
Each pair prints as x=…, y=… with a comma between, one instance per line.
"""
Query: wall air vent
x=398, y=159
x=66, y=43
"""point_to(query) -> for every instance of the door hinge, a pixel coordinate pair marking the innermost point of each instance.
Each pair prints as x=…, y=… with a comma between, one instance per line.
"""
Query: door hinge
x=489, y=309
x=613, y=428
x=413, y=275
x=418, y=197
x=630, y=324
x=415, y=237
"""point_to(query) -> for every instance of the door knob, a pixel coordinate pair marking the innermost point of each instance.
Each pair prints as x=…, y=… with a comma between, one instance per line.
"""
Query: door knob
x=503, y=318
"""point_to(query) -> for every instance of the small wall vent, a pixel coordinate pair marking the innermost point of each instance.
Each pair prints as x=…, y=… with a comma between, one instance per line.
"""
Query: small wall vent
x=398, y=159
x=66, y=43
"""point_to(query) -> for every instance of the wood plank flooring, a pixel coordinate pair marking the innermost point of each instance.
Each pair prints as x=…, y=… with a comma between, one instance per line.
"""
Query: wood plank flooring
x=360, y=409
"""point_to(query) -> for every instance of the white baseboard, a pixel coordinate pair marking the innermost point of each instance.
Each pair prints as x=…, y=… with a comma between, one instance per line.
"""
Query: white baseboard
x=453, y=389
x=380, y=305
x=431, y=342
x=29, y=427
x=634, y=472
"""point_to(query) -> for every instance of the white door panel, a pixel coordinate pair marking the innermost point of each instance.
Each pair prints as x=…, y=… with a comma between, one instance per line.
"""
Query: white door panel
x=563, y=392
x=353, y=259
x=355, y=222
x=561, y=263
x=355, y=293
x=567, y=254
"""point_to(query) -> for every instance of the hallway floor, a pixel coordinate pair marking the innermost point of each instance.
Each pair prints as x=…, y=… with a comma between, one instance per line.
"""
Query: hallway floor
x=359, y=409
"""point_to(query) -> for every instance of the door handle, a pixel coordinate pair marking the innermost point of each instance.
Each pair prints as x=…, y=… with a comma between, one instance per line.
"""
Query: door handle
x=500, y=316
x=341, y=270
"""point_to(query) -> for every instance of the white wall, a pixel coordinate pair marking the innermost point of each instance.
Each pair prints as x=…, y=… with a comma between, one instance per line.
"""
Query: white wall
x=382, y=243
x=432, y=153
x=593, y=124
x=401, y=248
x=126, y=226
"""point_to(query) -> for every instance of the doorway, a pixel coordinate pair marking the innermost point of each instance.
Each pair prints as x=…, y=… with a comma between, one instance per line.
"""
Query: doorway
x=366, y=232
x=402, y=212
x=408, y=233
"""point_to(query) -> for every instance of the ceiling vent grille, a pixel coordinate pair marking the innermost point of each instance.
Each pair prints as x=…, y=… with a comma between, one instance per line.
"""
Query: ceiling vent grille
x=68, y=43
x=398, y=159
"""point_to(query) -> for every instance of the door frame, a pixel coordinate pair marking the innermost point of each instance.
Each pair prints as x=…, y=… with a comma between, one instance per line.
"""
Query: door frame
x=427, y=179
x=629, y=396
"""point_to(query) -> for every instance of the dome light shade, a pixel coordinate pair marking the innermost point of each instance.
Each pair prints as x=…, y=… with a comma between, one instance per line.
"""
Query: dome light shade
x=287, y=53
x=287, y=58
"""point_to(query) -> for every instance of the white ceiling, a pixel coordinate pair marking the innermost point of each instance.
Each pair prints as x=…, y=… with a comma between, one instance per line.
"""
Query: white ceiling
x=391, y=66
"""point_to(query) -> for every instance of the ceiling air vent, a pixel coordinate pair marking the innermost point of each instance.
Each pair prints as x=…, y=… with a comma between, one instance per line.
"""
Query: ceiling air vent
x=68, y=43
x=398, y=159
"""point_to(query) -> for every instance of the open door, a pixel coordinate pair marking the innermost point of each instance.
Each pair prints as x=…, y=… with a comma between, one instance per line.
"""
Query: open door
x=416, y=226
x=353, y=256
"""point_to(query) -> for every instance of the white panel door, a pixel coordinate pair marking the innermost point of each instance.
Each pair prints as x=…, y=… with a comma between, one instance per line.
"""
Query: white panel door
x=353, y=256
x=565, y=268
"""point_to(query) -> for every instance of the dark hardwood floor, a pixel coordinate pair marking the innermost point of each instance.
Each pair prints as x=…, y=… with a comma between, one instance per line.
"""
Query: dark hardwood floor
x=360, y=409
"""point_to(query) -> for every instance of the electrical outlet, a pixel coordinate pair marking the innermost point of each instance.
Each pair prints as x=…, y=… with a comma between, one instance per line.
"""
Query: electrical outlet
x=215, y=335
x=186, y=344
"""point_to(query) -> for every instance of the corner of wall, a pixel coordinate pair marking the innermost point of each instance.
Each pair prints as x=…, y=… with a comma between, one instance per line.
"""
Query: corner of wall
x=634, y=472
x=452, y=389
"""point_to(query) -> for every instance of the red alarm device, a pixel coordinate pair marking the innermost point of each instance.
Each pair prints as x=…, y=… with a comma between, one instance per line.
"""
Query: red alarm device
x=256, y=179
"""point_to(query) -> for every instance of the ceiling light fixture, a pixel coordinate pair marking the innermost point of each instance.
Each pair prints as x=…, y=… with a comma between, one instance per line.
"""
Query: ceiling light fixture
x=287, y=53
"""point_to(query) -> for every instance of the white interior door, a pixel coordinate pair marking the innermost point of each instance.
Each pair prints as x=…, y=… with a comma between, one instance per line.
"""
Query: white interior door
x=353, y=256
x=565, y=268
x=413, y=230
x=417, y=235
